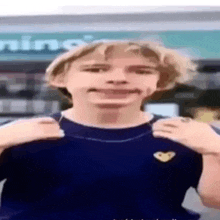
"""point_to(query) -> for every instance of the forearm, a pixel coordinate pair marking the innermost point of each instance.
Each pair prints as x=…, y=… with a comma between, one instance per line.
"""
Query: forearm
x=209, y=184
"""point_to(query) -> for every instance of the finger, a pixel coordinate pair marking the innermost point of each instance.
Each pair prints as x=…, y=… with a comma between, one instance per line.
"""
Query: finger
x=162, y=134
x=172, y=124
x=49, y=127
x=174, y=119
x=164, y=127
x=47, y=120
x=167, y=120
x=53, y=134
x=60, y=133
x=185, y=119
x=162, y=130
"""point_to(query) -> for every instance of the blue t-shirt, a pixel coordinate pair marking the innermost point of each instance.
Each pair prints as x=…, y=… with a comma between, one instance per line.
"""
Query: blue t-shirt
x=79, y=177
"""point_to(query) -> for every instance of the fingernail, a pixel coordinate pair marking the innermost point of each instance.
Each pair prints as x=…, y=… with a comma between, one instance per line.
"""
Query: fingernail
x=62, y=133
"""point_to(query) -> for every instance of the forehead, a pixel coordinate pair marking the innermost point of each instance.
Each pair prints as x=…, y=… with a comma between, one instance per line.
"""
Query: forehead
x=118, y=53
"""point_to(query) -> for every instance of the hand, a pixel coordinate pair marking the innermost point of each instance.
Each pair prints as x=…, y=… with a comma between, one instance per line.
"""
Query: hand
x=198, y=136
x=27, y=130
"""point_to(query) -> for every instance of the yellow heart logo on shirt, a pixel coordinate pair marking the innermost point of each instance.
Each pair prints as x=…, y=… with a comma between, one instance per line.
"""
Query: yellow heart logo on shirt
x=164, y=157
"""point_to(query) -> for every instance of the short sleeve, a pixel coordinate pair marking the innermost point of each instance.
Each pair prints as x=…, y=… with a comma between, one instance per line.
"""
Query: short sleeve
x=197, y=170
x=5, y=158
x=5, y=163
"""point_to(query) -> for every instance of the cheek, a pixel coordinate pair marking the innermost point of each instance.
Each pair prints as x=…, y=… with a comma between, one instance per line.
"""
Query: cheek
x=86, y=80
x=79, y=84
x=150, y=86
x=151, y=82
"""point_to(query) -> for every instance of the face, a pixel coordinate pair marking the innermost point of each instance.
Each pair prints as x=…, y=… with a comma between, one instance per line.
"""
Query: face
x=123, y=80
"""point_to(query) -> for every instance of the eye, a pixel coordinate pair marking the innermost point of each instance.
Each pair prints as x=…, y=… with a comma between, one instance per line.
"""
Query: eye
x=143, y=72
x=95, y=70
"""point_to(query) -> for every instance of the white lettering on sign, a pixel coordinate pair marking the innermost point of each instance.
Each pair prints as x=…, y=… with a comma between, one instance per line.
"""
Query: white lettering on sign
x=12, y=45
x=26, y=44
x=46, y=44
x=71, y=43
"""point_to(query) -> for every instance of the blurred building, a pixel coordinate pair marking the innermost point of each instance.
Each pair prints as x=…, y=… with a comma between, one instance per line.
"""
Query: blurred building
x=29, y=43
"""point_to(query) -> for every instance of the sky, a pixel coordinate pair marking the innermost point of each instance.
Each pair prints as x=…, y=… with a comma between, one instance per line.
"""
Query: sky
x=49, y=7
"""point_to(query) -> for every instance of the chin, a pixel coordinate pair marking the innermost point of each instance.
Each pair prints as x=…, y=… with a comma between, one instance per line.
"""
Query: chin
x=113, y=104
x=110, y=106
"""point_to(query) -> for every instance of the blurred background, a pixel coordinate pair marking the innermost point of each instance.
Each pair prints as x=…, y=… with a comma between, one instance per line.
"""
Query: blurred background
x=32, y=38
x=29, y=41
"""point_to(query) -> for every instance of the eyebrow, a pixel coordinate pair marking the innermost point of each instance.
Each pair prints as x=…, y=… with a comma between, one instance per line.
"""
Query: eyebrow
x=105, y=64
x=141, y=66
x=94, y=65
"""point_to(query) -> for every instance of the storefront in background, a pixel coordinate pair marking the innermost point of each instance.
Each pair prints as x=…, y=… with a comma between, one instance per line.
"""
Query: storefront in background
x=25, y=55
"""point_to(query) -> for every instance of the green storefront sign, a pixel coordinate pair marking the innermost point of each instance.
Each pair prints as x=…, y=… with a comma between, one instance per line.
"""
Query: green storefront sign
x=46, y=46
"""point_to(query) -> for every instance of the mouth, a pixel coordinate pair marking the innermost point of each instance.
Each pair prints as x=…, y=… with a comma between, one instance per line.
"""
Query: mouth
x=114, y=91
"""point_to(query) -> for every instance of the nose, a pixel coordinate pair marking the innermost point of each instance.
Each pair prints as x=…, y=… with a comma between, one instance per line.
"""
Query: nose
x=117, y=77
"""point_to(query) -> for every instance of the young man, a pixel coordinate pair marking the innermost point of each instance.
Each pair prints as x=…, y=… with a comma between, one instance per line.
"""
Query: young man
x=115, y=161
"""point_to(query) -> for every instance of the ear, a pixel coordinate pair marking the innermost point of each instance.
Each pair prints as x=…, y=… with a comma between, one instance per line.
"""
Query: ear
x=165, y=88
x=58, y=81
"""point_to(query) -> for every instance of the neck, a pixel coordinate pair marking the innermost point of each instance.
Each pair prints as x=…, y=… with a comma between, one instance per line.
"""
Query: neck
x=108, y=118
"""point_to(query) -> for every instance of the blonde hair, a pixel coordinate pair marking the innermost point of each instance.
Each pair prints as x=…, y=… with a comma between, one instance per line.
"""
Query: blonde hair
x=173, y=67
